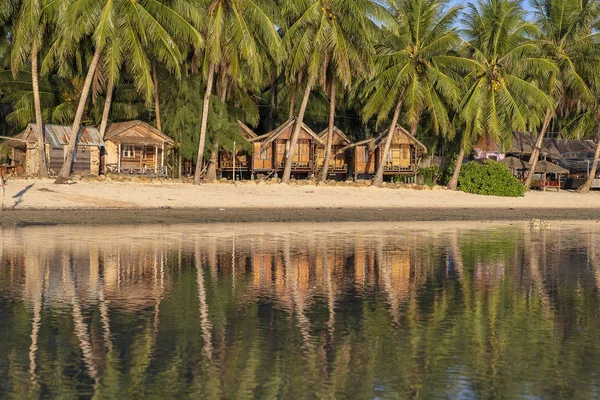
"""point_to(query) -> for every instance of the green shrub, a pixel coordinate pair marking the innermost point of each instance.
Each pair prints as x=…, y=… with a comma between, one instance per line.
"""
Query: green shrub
x=490, y=178
x=430, y=175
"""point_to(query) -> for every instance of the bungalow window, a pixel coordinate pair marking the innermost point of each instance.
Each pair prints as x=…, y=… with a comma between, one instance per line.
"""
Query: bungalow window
x=128, y=152
x=143, y=152
x=264, y=153
x=365, y=153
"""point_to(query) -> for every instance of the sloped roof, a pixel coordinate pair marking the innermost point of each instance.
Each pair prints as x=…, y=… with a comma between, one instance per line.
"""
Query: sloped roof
x=378, y=141
x=516, y=163
x=547, y=167
x=274, y=134
x=249, y=133
x=336, y=130
x=58, y=135
x=522, y=143
x=126, y=132
x=575, y=148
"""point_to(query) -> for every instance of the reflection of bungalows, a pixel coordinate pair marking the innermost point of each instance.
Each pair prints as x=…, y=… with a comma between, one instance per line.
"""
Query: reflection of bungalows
x=403, y=158
x=86, y=159
x=243, y=158
x=135, y=147
x=270, y=149
x=338, y=161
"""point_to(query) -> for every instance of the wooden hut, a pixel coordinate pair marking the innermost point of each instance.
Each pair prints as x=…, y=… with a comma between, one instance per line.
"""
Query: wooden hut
x=86, y=159
x=134, y=147
x=270, y=149
x=243, y=158
x=339, y=160
x=403, y=158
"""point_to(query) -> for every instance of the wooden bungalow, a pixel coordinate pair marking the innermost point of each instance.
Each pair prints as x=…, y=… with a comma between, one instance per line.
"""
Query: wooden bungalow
x=56, y=138
x=270, y=149
x=243, y=159
x=339, y=160
x=403, y=158
x=134, y=147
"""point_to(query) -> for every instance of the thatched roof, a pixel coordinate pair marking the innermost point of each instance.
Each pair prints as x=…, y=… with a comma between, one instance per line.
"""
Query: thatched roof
x=136, y=132
x=523, y=143
x=516, y=163
x=336, y=131
x=274, y=134
x=546, y=167
x=379, y=141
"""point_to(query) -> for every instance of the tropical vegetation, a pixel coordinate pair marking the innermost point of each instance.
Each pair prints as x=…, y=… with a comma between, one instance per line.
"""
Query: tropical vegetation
x=453, y=75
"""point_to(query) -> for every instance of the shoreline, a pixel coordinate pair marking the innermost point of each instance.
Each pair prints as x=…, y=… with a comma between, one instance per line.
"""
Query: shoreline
x=173, y=216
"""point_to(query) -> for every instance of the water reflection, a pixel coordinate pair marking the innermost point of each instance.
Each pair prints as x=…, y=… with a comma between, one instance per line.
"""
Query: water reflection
x=299, y=311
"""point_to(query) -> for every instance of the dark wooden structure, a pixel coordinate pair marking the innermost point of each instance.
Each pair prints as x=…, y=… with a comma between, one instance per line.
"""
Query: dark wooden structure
x=86, y=159
x=242, y=164
x=403, y=158
x=134, y=147
x=270, y=150
x=339, y=160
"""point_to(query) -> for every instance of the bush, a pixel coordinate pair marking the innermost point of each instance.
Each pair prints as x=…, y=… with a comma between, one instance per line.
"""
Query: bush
x=430, y=175
x=490, y=178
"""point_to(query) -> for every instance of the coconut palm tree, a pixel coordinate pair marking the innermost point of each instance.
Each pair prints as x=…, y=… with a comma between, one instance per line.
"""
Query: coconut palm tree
x=413, y=71
x=567, y=38
x=122, y=26
x=242, y=27
x=499, y=99
x=349, y=49
x=28, y=39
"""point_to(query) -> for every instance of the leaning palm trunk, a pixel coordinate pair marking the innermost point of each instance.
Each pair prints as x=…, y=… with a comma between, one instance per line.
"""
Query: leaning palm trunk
x=535, y=154
x=204, y=123
x=156, y=98
x=43, y=172
x=327, y=156
x=287, y=172
x=587, y=186
x=453, y=184
x=65, y=171
x=211, y=171
x=378, y=179
x=106, y=111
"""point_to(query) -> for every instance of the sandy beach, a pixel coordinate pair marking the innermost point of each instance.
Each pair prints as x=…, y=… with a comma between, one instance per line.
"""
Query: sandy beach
x=42, y=202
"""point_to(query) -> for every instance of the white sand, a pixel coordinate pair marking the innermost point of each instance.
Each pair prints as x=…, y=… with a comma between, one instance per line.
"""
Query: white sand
x=44, y=194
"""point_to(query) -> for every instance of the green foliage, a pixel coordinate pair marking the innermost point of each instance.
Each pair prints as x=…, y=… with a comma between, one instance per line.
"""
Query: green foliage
x=489, y=178
x=430, y=175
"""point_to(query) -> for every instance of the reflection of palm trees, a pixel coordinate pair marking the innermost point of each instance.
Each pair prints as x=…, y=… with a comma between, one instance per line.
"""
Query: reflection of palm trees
x=38, y=288
x=205, y=324
x=81, y=331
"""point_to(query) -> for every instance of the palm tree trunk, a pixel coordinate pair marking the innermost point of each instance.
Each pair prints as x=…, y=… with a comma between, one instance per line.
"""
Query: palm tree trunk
x=587, y=186
x=156, y=98
x=453, y=184
x=378, y=179
x=43, y=172
x=65, y=171
x=327, y=156
x=106, y=111
x=204, y=123
x=535, y=154
x=292, y=104
x=272, y=105
x=211, y=171
x=287, y=172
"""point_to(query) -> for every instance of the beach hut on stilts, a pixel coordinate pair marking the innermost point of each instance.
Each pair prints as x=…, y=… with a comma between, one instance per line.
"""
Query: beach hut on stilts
x=241, y=165
x=339, y=159
x=402, y=159
x=271, y=149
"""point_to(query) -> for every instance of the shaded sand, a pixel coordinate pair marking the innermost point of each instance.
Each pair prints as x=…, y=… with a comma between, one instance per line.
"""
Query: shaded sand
x=40, y=201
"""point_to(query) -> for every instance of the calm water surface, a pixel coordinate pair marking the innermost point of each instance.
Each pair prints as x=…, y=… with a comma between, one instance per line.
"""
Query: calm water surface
x=300, y=311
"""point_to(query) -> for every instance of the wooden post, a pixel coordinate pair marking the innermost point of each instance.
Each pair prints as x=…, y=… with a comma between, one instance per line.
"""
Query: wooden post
x=234, y=161
x=162, y=157
x=156, y=159
x=119, y=160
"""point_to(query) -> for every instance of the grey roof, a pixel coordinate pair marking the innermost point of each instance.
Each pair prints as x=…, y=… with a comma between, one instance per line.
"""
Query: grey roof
x=58, y=135
x=516, y=163
x=547, y=167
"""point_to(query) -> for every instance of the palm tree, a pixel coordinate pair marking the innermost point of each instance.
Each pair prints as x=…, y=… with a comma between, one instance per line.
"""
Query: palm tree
x=135, y=23
x=242, y=27
x=28, y=38
x=499, y=99
x=413, y=70
x=348, y=50
x=566, y=37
